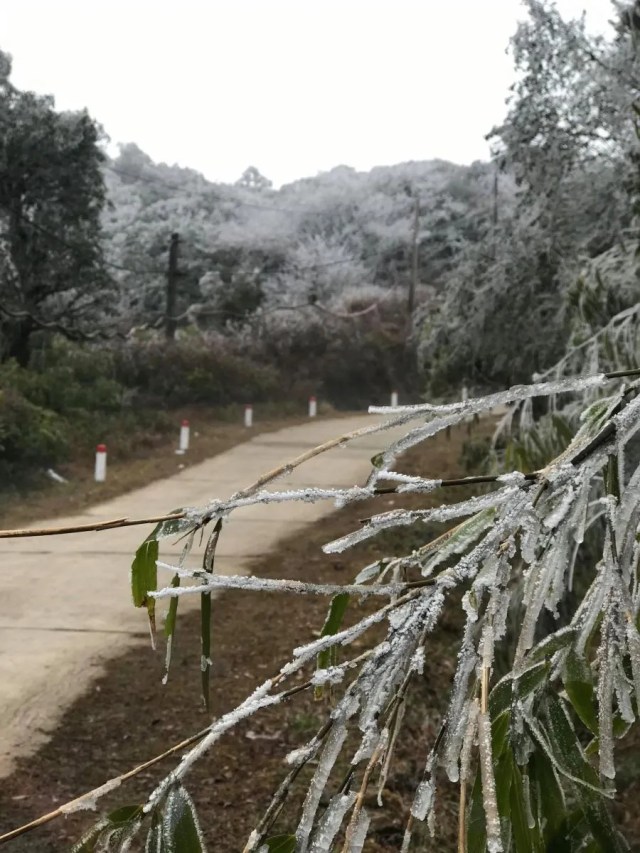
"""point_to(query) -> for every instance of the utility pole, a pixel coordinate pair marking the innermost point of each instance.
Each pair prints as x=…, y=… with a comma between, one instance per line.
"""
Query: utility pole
x=170, y=323
x=413, y=284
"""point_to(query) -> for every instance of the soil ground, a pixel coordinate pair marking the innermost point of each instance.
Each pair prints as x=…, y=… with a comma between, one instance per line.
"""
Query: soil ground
x=129, y=716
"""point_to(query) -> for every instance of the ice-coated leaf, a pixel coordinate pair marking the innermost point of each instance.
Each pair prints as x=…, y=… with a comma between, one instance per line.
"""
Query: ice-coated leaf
x=155, y=841
x=577, y=679
x=459, y=704
x=205, y=614
x=115, y=828
x=489, y=797
x=377, y=461
x=633, y=645
x=180, y=828
x=330, y=752
x=549, y=794
x=171, y=527
x=566, y=747
x=205, y=645
x=526, y=839
x=503, y=783
x=512, y=687
x=459, y=538
x=170, y=627
x=331, y=821
x=476, y=826
x=581, y=696
x=369, y=572
x=605, y=698
x=500, y=733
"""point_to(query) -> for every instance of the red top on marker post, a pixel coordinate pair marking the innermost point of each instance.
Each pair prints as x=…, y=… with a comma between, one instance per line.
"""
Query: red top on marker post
x=101, y=448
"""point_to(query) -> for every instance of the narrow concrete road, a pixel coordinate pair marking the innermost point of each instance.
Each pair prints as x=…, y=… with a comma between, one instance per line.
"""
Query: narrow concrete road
x=66, y=605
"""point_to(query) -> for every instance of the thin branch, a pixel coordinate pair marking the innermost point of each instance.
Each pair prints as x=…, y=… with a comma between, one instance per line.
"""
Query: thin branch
x=462, y=822
x=281, y=470
x=455, y=481
x=357, y=808
x=47, y=818
x=211, y=583
x=98, y=526
x=616, y=374
x=84, y=528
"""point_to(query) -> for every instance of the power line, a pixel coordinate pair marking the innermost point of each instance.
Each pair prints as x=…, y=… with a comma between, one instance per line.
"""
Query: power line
x=154, y=272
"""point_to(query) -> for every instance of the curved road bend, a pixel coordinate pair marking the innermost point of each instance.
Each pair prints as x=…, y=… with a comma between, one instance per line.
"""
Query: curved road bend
x=66, y=606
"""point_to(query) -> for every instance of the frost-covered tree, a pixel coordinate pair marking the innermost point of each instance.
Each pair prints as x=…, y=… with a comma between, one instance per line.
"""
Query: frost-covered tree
x=52, y=275
x=569, y=144
x=252, y=179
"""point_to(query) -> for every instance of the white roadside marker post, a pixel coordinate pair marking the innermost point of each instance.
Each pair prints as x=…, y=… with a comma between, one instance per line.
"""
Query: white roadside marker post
x=183, y=444
x=101, y=463
x=248, y=416
x=394, y=399
x=313, y=407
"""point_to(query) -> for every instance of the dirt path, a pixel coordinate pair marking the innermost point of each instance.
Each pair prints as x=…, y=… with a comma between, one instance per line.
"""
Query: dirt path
x=66, y=604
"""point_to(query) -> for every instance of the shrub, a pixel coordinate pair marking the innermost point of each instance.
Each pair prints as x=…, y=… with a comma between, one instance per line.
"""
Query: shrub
x=193, y=370
x=30, y=436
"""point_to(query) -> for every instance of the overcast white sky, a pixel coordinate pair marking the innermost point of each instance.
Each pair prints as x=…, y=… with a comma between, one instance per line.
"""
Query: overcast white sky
x=293, y=87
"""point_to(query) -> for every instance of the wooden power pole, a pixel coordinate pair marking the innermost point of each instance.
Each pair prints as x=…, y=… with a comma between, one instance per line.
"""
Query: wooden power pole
x=170, y=322
x=413, y=284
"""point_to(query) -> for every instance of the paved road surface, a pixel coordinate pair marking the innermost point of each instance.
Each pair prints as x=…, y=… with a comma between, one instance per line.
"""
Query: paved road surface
x=65, y=605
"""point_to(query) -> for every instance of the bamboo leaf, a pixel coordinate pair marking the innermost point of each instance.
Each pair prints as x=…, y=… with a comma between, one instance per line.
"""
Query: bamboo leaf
x=499, y=733
x=378, y=460
x=170, y=621
x=567, y=748
x=568, y=751
x=550, y=645
x=180, y=828
x=503, y=782
x=530, y=679
x=510, y=687
x=476, y=829
x=117, y=827
x=526, y=839
x=581, y=696
x=563, y=428
x=459, y=538
x=369, y=572
x=332, y=624
x=155, y=842
x=171, y=527
x=170, y=626
x=144, y=577
x=281, y=844
x=205, y=614
x=550, y=796
x=205, y=645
